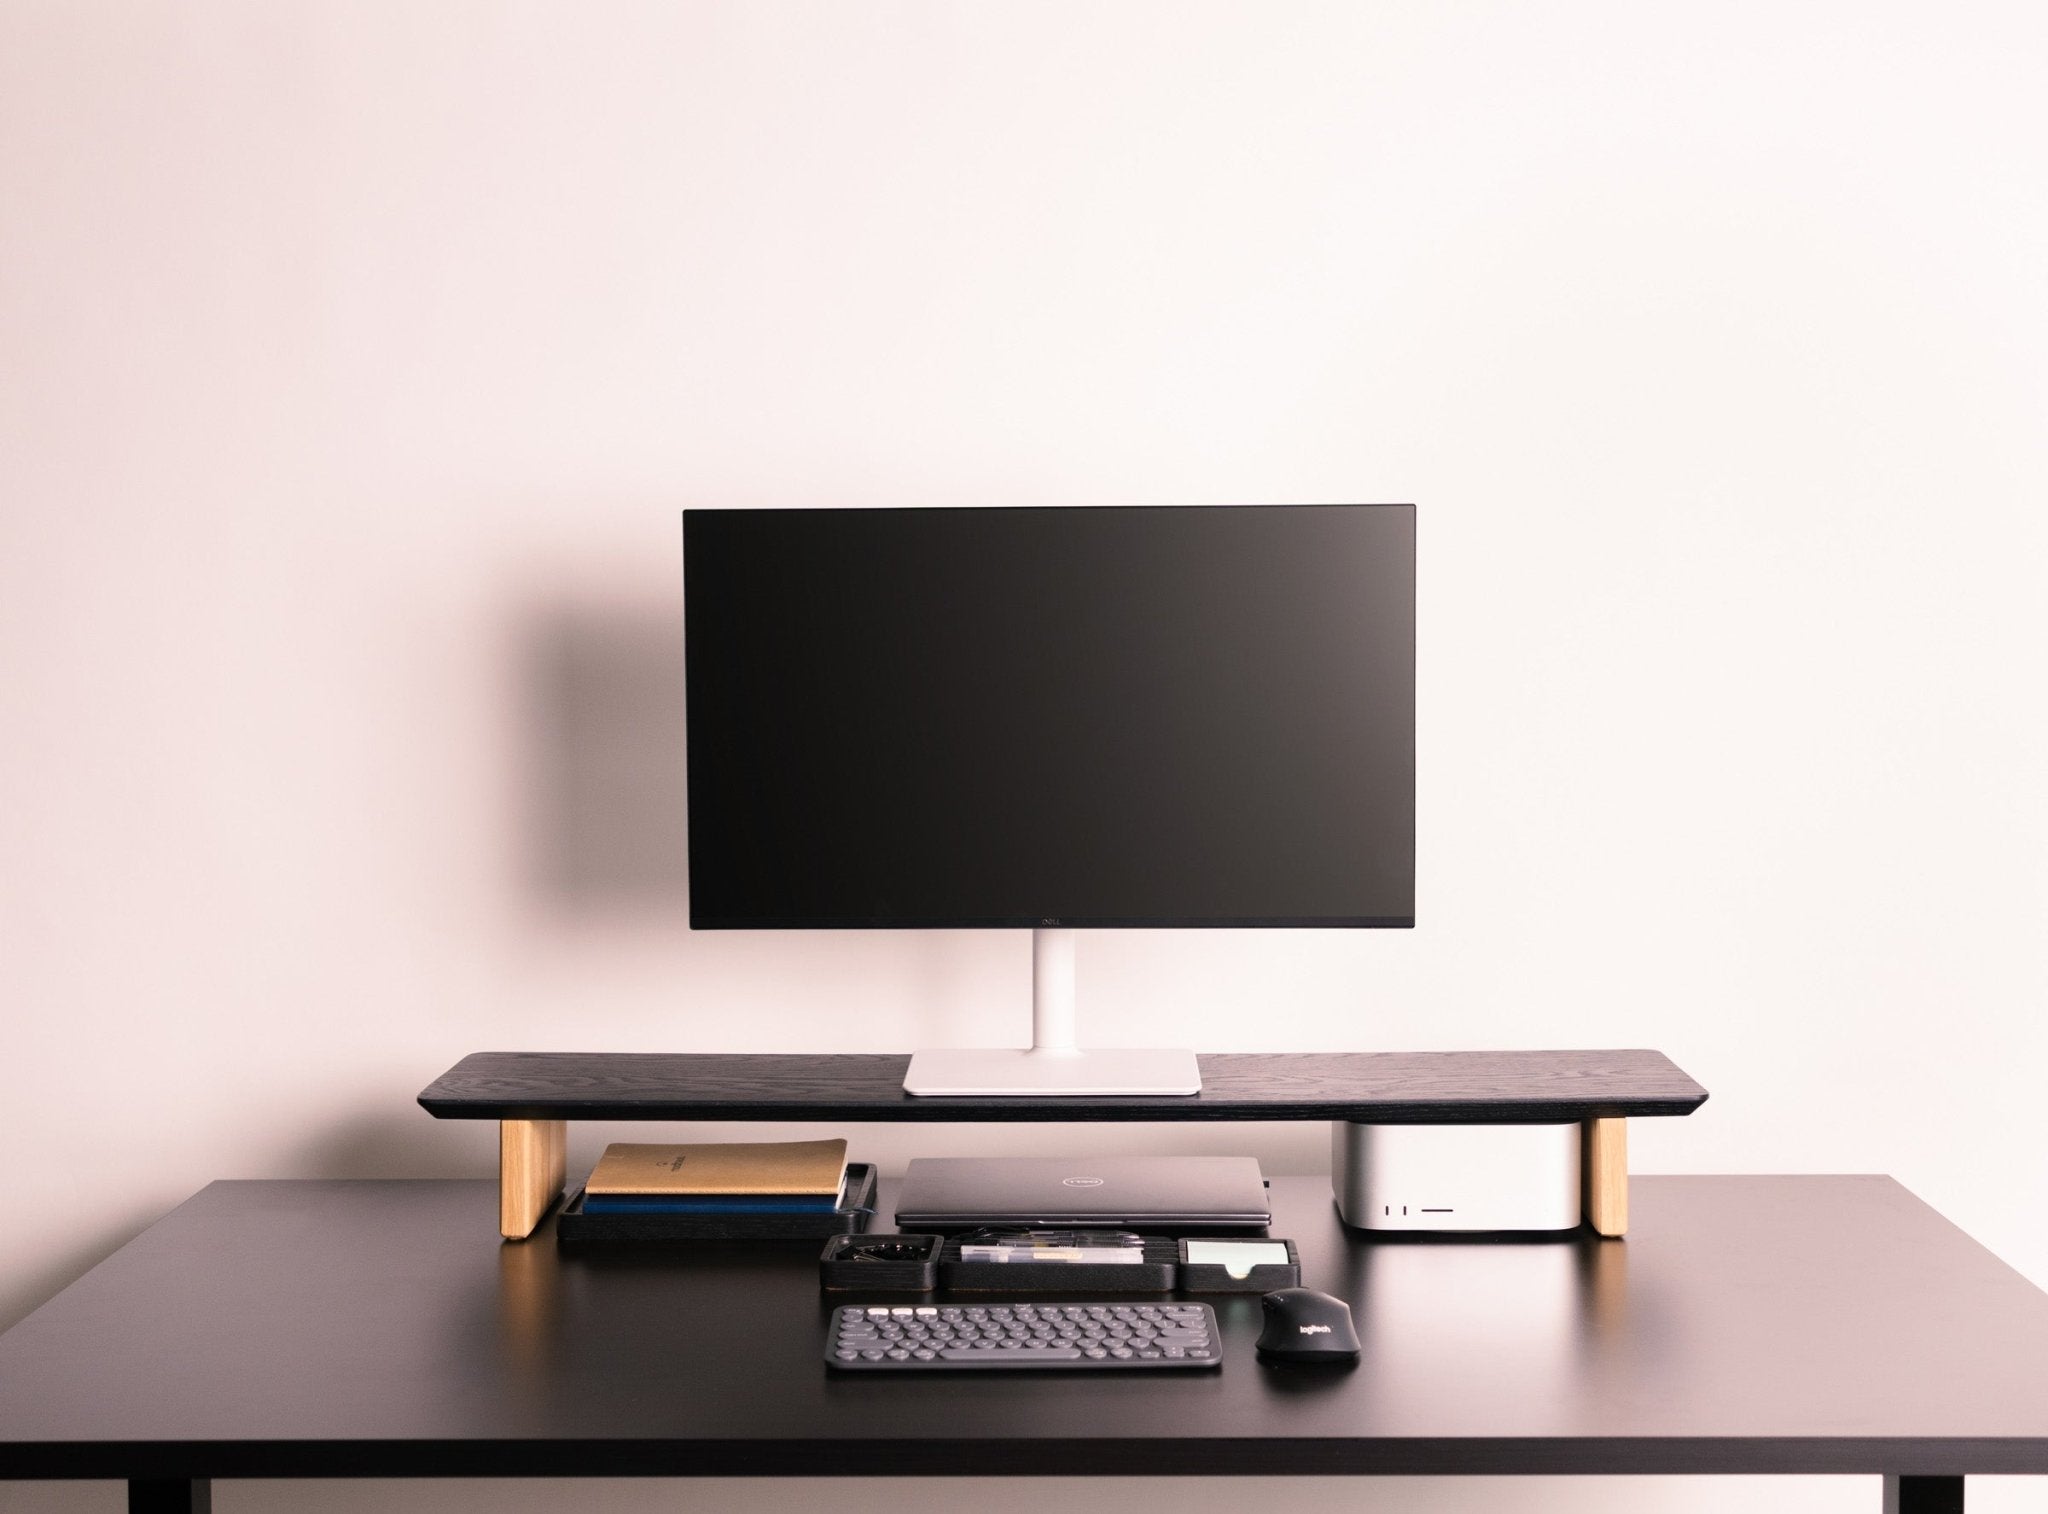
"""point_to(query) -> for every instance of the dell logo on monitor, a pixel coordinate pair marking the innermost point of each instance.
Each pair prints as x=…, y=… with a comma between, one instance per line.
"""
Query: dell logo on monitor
x=1082, y=1182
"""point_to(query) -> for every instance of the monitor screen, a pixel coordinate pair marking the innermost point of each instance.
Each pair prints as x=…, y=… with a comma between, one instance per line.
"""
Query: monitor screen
x=1197, y=716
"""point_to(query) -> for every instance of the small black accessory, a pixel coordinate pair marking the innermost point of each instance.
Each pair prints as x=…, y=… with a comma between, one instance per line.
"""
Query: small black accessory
x=883, y=1263
x=1303, y=1325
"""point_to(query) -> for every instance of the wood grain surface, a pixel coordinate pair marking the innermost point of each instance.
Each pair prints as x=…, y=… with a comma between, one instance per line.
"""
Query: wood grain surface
x=1603, y=1181
x=1389, y=1087
x=532, y=1163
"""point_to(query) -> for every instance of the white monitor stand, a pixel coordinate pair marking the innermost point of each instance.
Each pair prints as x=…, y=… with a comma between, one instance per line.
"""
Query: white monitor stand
x=1054, y=1066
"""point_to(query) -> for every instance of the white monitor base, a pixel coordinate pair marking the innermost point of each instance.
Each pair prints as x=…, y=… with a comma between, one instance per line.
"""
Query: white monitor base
x=1048, y=1073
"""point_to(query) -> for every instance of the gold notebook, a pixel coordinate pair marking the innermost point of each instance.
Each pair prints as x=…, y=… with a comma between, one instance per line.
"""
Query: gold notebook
x=785, y=1167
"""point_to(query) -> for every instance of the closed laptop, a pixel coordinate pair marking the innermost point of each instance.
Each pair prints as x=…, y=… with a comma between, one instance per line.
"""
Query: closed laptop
x=1185, y=1193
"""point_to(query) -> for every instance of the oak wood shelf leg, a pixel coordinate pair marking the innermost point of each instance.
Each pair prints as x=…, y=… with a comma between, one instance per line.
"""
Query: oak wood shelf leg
x=533, y=1158
x=1922, y=1495
x=1603, y=1177
x=170, y=1495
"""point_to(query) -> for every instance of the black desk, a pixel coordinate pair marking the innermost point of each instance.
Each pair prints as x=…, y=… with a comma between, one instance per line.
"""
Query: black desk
x=369, y=1329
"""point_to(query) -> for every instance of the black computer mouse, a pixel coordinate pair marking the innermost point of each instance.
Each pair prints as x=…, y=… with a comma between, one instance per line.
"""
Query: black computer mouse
x=1303, y=1325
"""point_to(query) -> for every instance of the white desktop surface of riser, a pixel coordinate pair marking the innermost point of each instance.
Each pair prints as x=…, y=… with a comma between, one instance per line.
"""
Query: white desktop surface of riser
x=1047, y=1073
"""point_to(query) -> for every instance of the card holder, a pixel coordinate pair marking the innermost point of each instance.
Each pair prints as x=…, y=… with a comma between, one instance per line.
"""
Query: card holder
x=1215, y=1277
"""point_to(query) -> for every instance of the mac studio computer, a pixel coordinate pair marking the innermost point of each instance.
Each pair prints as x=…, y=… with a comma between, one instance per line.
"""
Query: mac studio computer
x=1051, y=720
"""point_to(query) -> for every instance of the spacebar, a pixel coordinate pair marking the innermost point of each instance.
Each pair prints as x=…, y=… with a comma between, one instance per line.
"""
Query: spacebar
x=1020, y=1354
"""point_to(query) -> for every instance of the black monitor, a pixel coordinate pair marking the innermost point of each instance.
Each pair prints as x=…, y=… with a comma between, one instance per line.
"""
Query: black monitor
x=1051, y=719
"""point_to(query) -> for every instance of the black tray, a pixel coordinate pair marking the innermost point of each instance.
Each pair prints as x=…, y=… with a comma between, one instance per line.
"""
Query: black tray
x=573, y=1226
x=843, y=1267
x=1153, y=1275
x=1213, y=1277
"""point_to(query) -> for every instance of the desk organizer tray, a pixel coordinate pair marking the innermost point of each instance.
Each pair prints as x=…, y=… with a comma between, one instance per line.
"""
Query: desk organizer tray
x=883, y=1263
x=573, y=1226
x=1214, y=1277
x=1155, y=1274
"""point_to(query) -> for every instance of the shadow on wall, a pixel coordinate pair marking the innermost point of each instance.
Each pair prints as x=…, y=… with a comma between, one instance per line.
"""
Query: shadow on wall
x=395, y=1140
x=602, y=699
x=601, y=825
x=61, y=1267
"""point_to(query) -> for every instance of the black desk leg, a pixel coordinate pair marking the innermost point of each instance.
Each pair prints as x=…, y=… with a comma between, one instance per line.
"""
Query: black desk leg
x=1922, y=1495
x=170, y=1495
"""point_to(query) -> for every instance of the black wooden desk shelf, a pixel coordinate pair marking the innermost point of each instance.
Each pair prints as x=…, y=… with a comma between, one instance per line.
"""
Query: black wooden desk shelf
x=534, y=1094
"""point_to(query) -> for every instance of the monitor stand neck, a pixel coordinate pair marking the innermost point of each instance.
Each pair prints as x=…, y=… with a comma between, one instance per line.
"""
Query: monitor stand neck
x=1052, y=989
x=1054, y=1067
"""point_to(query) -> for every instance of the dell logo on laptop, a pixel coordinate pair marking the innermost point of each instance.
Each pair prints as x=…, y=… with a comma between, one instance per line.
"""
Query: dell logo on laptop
x=1082, y=1182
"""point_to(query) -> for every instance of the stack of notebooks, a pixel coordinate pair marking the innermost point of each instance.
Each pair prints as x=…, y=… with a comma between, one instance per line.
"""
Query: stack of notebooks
x=768, y=1177
x=731, y=1190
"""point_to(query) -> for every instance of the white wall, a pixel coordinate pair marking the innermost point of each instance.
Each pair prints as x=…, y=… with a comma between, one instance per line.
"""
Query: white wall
x=355, y=361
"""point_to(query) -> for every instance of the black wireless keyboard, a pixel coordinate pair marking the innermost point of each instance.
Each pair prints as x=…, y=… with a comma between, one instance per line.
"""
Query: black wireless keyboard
x=999, y=1337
